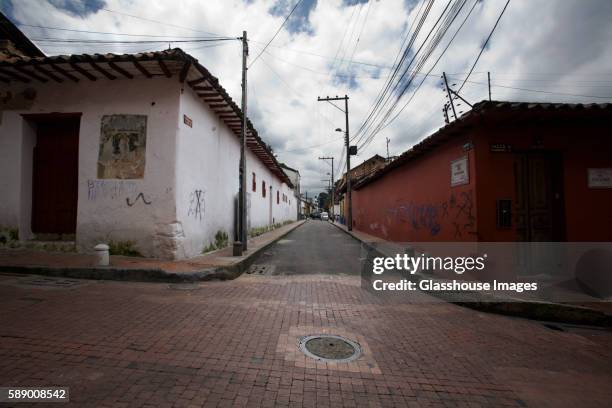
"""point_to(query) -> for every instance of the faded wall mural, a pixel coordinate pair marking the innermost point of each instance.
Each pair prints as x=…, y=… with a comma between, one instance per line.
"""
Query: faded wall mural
x=122, y=147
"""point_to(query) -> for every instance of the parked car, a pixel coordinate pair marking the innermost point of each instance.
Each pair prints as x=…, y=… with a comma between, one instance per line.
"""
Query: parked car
x=324, y=216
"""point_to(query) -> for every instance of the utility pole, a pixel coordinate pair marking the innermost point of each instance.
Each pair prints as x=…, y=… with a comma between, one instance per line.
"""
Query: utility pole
x=332, y=182
x=452, y=94
x=489, y=81
x=242, y=202
x=450, y=97
x=388, y=140
x=345, y=98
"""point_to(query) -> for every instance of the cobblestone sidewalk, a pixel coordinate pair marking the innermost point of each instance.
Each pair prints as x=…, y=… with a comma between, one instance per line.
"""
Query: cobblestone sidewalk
x=235, y=344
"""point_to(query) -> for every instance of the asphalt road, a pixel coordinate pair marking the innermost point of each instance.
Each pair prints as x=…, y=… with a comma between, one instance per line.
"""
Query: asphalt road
x=317, y=247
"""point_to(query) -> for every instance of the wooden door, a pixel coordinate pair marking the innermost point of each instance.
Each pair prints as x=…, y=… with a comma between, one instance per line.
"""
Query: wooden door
x=539, y=211
x=55, y=176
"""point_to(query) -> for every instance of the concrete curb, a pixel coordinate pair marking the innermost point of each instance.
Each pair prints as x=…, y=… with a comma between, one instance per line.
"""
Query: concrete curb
x=148, y=275
x=545, y=311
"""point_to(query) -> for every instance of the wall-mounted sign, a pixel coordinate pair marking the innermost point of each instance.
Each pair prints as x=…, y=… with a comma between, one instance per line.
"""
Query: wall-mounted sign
x=500, y=148
x=187, y=120
x=460, y=171
x=600, y=178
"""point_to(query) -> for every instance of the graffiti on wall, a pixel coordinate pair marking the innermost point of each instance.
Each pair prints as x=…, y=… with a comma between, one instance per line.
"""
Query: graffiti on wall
x=456, y=211
x=196, y=204
x=109, y=189
x=139, y=196
x=122, y=147
x=464, y=220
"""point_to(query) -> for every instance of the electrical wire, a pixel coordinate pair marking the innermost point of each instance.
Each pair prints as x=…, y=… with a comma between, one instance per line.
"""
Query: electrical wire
x=541, y=91
x=276, y=33
x=396, y=64
x=101, y=32
x=157, y=21
x=446, y=18
x=484, y=45
x=428, y=74
x=97, y=41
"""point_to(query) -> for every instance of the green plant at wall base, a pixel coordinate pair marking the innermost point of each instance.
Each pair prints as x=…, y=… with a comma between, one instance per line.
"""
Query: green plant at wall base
x=254, y=232
x=221, y=239
x=211, y=247
x=8, y=234
x=13, y=234
x=125, y=248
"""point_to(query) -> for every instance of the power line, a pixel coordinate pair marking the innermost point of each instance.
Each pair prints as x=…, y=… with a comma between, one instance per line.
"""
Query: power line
x=276, y=33
x=365, y=20
x=484, y=45
x=335, y=59
x=314, y=54
x=432, y=67
x=396, y=64
x=310, y=147
x=541, y=91
x=97, y=41
x=348, y=40
x=157, y=21
x=438, y=30
x=101, y=32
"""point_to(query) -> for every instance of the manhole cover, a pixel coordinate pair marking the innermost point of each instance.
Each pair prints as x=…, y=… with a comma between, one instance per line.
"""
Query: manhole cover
x=261, y=269
x=330, y=348
x=184, y=286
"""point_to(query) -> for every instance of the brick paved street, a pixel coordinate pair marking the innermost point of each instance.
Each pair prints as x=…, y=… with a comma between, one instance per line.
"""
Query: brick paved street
x=234, y=343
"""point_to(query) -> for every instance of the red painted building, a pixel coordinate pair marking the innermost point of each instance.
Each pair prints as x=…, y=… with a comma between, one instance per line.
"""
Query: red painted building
x=502, y=172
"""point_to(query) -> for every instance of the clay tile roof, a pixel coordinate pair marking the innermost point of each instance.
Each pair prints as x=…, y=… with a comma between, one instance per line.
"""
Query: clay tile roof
x=482, y=109
x=93, y=67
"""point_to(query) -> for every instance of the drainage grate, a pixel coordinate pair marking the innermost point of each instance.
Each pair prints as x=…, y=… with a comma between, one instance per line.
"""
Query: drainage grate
x=261, y=269
x=52, y=282
x=330, y=348
x=184, y=286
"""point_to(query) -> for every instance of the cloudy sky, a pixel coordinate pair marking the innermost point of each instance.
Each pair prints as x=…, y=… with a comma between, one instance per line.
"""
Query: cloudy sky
x=545, y=50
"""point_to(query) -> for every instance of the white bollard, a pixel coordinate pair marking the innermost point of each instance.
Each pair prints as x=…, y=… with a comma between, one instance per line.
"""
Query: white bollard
x=102, y=256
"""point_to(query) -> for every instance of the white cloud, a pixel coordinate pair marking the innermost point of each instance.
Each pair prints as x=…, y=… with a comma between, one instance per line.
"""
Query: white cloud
x=558, y=46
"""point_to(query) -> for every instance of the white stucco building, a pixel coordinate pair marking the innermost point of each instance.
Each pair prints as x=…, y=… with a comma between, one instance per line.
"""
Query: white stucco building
x=294, y=177
x=142, y=148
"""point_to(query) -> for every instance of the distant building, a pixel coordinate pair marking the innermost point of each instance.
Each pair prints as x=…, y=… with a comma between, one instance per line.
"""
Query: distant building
x=501, y=172
x=294, y=176
x=142, y=148
x=364, y=169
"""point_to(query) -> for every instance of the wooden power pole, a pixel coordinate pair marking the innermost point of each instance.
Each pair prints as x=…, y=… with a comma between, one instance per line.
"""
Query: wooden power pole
x=349, y=152
x=242, y=202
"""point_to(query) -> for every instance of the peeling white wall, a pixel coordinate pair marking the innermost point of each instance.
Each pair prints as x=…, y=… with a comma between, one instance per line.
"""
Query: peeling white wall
x=103, y=213
x=208, y=155
x=191, y=173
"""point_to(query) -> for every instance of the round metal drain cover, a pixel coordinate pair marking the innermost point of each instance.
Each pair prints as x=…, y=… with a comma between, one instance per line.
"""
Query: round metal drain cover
x=328, y=347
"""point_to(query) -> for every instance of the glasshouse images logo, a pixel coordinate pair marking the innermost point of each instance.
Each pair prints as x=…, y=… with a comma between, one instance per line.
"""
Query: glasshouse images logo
x=412, y=264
